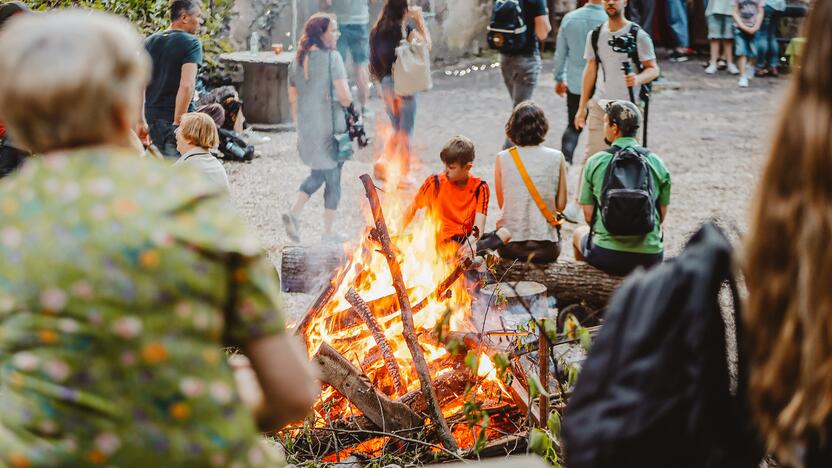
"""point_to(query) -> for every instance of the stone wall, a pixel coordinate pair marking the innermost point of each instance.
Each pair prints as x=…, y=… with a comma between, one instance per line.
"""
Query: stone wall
x=457, y=26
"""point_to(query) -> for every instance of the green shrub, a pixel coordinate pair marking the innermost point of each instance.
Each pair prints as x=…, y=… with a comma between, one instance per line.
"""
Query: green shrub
x=150, y=16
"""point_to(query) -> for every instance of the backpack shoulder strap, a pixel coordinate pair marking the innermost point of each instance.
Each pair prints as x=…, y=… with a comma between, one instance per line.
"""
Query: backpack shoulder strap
x=596, y=34
x=634, y=29
x=541, y=205
x=436, y=186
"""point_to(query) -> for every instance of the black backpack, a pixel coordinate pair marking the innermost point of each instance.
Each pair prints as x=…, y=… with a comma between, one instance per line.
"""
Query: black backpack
x=646, y=89
x=508, y=31
x=655, y=389
x=628, y=199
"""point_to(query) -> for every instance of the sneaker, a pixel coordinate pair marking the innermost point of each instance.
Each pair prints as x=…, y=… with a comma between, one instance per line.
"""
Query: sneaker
x=677, y=56
x=292, y=227
x=334, y=238
x=721, y=64
x=732, y=69
x=743, y=83
x=711, y=69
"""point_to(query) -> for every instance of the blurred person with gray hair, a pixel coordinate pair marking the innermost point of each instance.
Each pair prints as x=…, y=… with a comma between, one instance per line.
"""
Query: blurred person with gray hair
x=11, y=157
x=121, y=279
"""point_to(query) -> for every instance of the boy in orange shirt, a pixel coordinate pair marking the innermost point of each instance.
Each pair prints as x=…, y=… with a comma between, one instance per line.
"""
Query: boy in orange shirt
x=459, y=200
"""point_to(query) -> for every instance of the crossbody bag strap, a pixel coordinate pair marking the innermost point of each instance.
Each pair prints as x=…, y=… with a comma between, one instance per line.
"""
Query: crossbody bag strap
x=331, y=85
x=541, y=205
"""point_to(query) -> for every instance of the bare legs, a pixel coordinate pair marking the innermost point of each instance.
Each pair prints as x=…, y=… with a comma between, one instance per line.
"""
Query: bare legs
x=362, y=81
x=299, y=204
x=726, y=50
x=577, y=240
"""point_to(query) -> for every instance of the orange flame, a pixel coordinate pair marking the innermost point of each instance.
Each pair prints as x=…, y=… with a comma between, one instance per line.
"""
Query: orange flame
x=425, y=263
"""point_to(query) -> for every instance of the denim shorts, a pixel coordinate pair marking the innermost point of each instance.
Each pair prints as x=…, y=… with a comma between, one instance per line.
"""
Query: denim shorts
x=744, y=45
x=720, y=26
x=615, y=262
x=355, y=40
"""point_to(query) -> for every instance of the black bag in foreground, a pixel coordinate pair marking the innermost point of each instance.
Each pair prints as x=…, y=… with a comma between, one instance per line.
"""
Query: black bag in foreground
x=655, y=389
x=628, y=199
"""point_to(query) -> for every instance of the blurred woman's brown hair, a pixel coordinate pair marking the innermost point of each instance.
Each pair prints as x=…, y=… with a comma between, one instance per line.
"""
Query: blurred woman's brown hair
x=313, y=32
x=788, y=264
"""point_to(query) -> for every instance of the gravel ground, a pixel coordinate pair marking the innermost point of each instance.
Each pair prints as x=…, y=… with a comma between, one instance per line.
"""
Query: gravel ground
x=711, y=134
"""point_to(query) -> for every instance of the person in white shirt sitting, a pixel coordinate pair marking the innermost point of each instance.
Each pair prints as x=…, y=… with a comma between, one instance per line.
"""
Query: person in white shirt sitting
x=195, y=137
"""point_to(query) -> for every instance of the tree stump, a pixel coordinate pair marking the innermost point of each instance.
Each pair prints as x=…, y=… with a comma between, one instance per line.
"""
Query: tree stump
x=308, y=268
x=569, y=282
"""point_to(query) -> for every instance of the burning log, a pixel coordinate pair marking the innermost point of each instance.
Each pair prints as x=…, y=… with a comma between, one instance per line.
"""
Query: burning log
x=321, y=301
x=449, y=387
x=383, y=237
x=343, y=376
x=361, y=308
x=569, y=281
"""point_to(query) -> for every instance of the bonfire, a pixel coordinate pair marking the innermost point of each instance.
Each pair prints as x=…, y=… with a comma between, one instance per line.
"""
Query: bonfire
x=405, y=365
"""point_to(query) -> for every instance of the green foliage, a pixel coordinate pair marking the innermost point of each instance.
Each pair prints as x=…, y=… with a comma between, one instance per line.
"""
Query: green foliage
x=150, y=16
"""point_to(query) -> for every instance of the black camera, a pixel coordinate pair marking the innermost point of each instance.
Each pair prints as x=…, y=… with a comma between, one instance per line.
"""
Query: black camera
x=625, y=44
x=355, y=127
x=234, y=147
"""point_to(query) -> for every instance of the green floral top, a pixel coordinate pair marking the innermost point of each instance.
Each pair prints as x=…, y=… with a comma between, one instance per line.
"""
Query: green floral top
x=120, y=281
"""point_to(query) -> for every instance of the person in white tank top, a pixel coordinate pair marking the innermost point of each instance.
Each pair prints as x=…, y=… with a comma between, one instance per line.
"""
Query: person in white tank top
x=531, y=235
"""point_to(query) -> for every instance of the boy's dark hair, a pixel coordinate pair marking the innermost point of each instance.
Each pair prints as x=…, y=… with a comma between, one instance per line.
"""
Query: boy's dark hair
x=177, y=7
x=458, y=150
x=527, y=125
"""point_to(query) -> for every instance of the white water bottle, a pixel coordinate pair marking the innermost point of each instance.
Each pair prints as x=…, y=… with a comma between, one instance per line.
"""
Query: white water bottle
x=254, y=42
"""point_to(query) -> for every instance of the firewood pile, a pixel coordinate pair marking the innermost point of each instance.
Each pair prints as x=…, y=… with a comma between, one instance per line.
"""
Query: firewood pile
x=406, y=366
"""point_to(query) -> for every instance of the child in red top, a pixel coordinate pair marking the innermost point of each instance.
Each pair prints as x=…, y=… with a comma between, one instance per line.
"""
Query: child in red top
x=458, y=199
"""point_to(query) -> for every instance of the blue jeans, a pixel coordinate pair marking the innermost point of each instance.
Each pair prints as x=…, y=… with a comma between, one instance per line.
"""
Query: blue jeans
x=677, y=15
x=400, y=109
x=743, y=43
x=332, y=190
x=355, y=41
x=768, y=50
x=520, y=75
x=161, y=134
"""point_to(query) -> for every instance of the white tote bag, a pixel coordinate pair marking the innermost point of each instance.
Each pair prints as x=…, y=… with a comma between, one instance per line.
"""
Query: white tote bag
x=411, y=70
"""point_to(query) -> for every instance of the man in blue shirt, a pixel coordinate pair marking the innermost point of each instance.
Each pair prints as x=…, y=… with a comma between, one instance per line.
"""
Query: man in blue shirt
x=570, y=62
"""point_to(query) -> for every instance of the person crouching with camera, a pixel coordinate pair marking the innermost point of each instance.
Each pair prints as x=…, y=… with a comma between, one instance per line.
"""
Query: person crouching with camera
x=195, y=137
x=608, y=47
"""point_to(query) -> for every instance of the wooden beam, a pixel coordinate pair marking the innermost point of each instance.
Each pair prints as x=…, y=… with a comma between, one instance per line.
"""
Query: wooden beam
x=383, y=238
x=343, y=376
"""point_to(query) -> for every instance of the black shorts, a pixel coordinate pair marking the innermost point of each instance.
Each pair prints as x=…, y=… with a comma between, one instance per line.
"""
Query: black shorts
x=616, y=262
x=531, y=251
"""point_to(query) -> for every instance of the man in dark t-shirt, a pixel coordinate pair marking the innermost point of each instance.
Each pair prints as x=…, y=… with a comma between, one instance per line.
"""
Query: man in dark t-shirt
x=521, y=69
x=176, y=55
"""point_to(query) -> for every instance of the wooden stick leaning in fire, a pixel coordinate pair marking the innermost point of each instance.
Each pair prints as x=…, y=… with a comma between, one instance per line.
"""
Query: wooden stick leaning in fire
x=361, y=308
x=387, y=414
x=450, y=386
x=383, y=238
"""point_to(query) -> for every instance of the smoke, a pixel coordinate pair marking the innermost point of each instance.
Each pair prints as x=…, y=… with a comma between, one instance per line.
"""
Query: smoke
x=466, y=21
